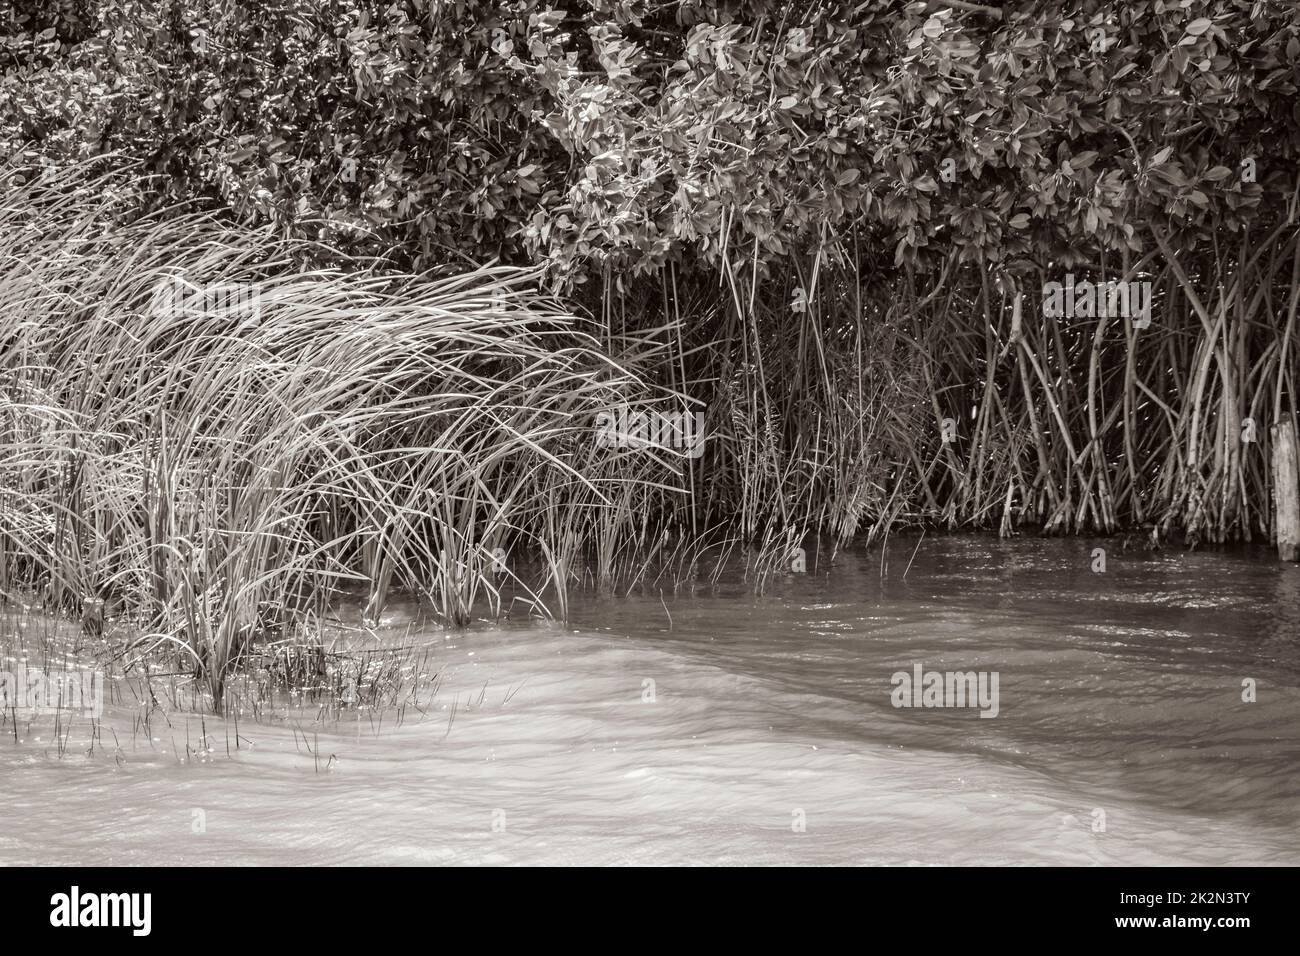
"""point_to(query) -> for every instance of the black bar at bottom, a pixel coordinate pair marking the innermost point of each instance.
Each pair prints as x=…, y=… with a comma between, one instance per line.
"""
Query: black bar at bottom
x=365, y=907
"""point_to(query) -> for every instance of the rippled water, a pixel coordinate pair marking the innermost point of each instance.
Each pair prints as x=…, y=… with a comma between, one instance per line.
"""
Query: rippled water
x=718, y=726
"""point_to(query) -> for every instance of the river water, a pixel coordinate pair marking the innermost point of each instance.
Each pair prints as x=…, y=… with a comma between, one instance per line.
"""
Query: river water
x=717, y=725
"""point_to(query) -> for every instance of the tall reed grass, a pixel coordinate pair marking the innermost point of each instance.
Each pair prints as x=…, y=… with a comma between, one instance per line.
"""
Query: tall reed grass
x=198, y=430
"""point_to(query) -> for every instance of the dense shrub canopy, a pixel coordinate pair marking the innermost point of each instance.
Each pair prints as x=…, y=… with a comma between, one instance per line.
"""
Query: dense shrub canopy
x=613, y=136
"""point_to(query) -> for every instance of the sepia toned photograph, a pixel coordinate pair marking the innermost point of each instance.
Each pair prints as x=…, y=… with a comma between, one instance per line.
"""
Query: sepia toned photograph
x=650, y=433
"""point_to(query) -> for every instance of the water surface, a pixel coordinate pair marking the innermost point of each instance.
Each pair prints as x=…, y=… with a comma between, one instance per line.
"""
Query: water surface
x=716, y=725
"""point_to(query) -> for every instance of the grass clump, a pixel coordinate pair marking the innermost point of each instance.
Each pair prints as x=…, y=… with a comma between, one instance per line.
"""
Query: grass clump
x=198, y=432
